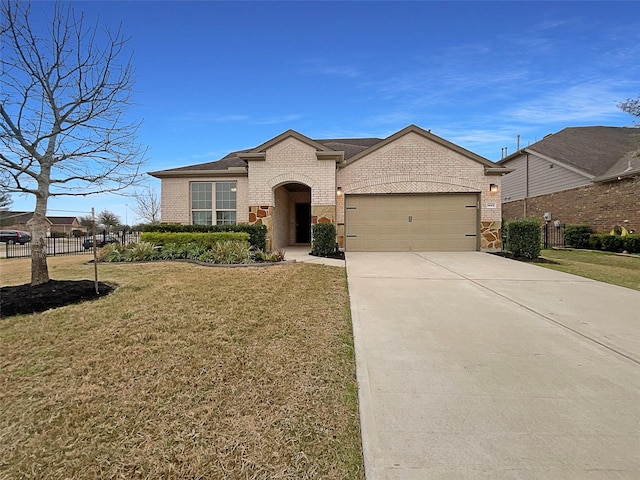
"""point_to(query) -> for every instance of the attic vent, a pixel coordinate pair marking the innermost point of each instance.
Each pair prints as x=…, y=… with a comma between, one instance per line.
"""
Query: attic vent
x=628, y=166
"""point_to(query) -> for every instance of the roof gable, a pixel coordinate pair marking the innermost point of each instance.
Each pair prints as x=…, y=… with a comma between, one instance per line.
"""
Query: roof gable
x=291, y=134
x=430, y=136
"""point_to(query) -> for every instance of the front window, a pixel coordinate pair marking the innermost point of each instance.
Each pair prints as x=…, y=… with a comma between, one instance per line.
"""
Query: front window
x=203, y=208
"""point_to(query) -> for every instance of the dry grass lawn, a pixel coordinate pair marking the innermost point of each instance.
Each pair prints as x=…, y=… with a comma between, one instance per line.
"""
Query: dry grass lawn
x=184, y=372
x=622, y=270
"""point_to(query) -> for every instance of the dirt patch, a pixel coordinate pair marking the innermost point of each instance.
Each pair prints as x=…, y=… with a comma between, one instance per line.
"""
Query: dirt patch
x=25, y=299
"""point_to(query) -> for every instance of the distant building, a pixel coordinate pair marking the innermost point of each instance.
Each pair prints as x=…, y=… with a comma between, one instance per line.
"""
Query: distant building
x=580, y=175
x=18, y=221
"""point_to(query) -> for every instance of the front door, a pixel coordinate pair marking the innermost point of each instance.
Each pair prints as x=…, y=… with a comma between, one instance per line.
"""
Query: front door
x=303, y=223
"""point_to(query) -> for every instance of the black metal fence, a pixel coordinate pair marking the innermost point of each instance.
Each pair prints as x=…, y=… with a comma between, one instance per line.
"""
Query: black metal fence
x=553, y=235
x=57, y=246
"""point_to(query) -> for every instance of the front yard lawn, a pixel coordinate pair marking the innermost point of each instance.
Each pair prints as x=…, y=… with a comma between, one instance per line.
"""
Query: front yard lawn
x=622, y=270
x=184, y=371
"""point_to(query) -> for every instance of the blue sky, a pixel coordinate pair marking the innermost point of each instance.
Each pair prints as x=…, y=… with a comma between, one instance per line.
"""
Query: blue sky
x=214, y=77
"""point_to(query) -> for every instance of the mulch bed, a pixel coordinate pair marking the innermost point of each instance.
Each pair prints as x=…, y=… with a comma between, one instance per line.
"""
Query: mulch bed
x=25, y=299
x=524, y=259
x=339, y=255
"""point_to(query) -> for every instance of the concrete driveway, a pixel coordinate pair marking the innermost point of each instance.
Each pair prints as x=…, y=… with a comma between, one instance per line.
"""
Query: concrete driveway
x=472, y=366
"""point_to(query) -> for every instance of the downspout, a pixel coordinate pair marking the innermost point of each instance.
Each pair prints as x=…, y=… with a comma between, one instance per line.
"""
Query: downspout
x=526, y=185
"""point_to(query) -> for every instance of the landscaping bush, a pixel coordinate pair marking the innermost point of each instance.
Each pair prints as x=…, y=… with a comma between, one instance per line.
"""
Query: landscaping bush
x=524, y=238
x=205, y=240
x=324, y=239
x=257, y=233
x=595, y=241
x=612, y=243
x=632, y=243
x=138, y=252
x=229, y=252
x=577, y=236
x=78, y=233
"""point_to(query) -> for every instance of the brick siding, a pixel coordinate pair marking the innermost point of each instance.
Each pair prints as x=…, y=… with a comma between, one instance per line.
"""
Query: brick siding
x=600, y=205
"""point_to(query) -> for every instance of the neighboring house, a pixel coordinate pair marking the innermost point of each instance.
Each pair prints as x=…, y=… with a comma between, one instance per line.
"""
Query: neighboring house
x=412, y=191
x=18, y=221
x=584, y=175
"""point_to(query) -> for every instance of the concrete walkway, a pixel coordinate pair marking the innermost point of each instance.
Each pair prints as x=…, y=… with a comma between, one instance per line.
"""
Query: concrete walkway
x=472, y=366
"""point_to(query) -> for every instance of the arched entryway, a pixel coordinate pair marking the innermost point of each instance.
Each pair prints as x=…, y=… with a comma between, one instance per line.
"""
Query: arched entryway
x=292, y=215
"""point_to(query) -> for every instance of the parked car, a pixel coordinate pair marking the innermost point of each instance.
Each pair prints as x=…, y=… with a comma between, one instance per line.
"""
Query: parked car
x=14, y=236
x=101, y=241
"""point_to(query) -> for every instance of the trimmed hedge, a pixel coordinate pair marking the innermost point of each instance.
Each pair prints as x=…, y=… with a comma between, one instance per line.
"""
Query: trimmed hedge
x=524, y=238
x=203, y=240
x=577, y=236
x=257, y=233
x=615, y=243
x=632, y=243
x=324, y=239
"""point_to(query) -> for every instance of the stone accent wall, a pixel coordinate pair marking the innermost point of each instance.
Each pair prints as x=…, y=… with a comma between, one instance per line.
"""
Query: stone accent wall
x=323, y=214
x=263, y=215
x=175, y=198
x=600, y=205
x=490, y=236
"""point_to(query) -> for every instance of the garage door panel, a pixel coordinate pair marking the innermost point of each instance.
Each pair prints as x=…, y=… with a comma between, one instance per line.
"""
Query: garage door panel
x=438, y=222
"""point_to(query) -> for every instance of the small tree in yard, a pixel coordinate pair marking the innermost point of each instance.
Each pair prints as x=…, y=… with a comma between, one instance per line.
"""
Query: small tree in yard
x=64, y=94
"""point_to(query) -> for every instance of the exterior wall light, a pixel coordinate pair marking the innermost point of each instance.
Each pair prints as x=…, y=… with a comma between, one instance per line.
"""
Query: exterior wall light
x=339, y=191
x=493, y=188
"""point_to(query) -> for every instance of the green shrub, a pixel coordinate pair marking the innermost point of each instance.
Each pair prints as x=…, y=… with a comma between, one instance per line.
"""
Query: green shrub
x=205, y=240
x=138, y=252
x=524, y=238
x=324, y=239
x=632, y=243
x=275, y=256
x=577, y=236
x=257, y=233
x=58, y=235
x=111, y=252
x=77, y=233
x=612, y=243
x=229, y=252
x=595, y=241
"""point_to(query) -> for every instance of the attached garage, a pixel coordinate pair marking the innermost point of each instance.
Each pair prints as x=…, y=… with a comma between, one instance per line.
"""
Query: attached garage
x=412, y=222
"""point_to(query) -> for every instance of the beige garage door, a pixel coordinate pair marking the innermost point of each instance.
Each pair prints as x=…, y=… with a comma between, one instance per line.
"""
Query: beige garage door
x=398, y=223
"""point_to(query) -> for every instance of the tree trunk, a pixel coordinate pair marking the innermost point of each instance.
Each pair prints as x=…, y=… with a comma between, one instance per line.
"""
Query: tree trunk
x=38, y=227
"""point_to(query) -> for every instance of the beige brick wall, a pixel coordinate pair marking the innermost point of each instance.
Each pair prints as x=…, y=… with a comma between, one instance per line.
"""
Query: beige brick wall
x=291, y=161
x=415, y=164
x=176, y=200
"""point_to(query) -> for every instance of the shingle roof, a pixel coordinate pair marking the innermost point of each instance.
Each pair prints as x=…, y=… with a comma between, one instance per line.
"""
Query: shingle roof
x=350, y=147
x=602, y=152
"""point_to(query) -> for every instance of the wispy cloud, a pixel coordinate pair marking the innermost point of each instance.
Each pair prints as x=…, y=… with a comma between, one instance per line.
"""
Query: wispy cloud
x=329, y=68
x=278, y=119
x=575, y=104
x=207, y=117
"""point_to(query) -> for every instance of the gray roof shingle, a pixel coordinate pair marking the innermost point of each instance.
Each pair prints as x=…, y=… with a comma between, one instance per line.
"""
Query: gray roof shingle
x=599, y=151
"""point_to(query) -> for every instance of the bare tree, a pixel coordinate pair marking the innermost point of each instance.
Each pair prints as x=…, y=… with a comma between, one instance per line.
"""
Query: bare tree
x=147, y=205
x=632, y=107
x=64, y=96
x=5, y=201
